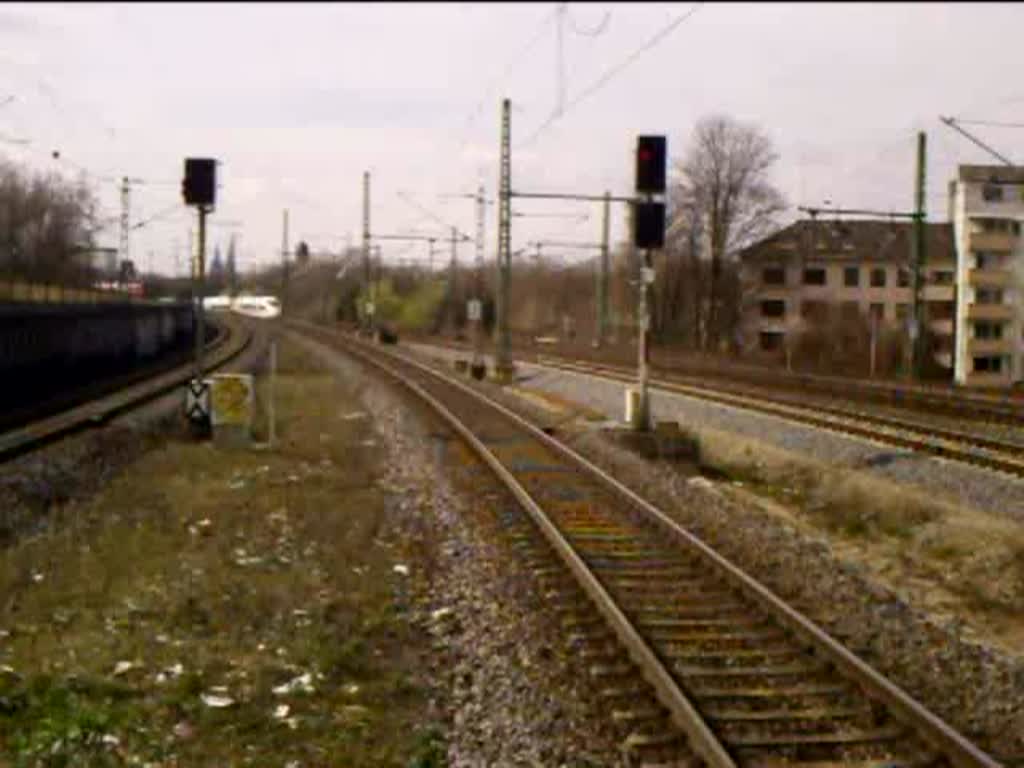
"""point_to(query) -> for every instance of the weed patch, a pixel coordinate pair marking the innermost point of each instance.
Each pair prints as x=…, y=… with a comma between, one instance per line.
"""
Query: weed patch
x=220, y=607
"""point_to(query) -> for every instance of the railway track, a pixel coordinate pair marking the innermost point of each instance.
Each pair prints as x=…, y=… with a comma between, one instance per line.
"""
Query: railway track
x=97, y=411
x=979, y=450
x=1003, y=408
x=695, y=656
x=968, y=447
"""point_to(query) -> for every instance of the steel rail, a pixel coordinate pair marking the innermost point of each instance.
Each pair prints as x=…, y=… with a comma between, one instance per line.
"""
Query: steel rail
x=932, y=729
x=799, y=414
x=100, y=410
x=979, y=403
x=682, y=710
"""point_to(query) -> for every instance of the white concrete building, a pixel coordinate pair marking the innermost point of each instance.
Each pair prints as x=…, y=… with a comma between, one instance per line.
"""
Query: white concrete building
x=986, y=209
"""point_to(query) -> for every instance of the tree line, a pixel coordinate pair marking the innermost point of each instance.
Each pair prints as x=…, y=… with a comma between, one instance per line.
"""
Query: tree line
x=47, y=227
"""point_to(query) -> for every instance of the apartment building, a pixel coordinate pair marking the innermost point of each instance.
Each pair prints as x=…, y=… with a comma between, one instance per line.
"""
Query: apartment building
x=818, y=269
x=986, y=207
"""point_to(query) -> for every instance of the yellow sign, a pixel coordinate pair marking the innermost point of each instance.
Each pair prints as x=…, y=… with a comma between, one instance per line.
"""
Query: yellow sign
x=231, y=399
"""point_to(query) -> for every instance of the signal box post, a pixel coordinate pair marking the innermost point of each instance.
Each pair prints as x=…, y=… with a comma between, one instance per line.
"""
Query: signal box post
x=199, y=188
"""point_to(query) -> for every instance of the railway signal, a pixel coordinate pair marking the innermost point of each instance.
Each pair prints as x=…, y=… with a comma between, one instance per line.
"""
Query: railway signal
x=648, y=234
x=649, y=225
x=650, y=165
x=199, y=188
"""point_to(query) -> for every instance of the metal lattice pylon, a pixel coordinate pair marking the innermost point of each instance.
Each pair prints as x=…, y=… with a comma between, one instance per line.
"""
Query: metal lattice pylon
x=503, y=362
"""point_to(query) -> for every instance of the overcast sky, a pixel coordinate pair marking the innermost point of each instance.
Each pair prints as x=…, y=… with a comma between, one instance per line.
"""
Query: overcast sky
x=298, y=100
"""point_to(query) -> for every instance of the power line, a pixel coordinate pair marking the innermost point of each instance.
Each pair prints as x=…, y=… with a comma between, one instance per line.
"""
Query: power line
x=405, y=196
x=594, y=32
x=992, y=123
x=611, y=73
x=176, y=208
x=478, y=109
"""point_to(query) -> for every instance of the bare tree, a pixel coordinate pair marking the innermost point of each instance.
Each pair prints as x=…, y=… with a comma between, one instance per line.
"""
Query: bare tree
x=46, y=226
x=723, y=186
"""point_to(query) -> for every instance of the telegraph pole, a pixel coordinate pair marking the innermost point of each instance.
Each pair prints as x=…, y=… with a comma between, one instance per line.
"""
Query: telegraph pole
x=452, y=269
x=481, y=212
x=126, y=199
x=284, y=260
x=918, y=256
x=503, y=368
x=602, y=278
x=367, y=317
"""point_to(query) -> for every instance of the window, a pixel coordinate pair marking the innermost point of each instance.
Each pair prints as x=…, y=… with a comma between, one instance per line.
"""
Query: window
x=902, y=312
x=851, y=277
x=999, y=225
x=878, y=312
x=770, y=341
x=814, y=310
x=773, y=308
x=988, y=296
x=774, y=276
x=878, y=278
x=988, y=330
x=942, y=277
x=992, y=193
x=814, y=276
x=902, y=278
x=986, y=260
x=988, y=364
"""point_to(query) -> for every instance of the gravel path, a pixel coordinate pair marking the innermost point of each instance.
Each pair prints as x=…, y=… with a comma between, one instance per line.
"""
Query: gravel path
x=962, y=484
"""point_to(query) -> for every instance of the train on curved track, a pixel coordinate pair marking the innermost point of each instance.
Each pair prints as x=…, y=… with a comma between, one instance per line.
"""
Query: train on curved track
x=264, y=307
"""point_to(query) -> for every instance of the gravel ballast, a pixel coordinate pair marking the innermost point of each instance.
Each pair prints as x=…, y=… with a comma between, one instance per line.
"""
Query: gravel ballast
x=959, y=483
x=976, y=688
x=510, y=693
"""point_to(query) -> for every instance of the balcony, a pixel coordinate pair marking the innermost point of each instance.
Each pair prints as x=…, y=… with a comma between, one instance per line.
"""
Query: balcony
x=990, y=312
x=938, y=293
x=989, y=278
x=771, y=324
x=988, y=379
x=999, y=242
x=771, y=293
x=979, y=347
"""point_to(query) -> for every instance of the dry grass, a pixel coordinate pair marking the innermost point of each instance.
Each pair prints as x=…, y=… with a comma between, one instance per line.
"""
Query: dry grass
x=223, y=573
x=972, y=560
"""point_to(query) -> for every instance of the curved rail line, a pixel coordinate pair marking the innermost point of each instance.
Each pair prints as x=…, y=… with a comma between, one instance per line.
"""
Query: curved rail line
x=1004, y=408
x=747, y=678
x=221, y=350
x=966, y=447
x=970, y=448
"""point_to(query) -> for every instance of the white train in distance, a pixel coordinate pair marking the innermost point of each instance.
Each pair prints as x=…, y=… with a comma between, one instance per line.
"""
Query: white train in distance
x=251, y=306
